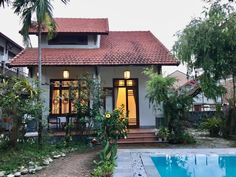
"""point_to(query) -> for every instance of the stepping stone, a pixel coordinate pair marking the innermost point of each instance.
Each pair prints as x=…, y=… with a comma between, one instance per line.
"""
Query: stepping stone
x=17, y=174
x=24, y=171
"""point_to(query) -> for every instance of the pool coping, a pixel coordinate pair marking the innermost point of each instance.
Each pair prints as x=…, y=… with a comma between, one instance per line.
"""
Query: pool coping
x=147, y=163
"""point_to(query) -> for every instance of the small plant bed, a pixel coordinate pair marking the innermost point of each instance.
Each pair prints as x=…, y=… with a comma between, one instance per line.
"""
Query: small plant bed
x=28, y=157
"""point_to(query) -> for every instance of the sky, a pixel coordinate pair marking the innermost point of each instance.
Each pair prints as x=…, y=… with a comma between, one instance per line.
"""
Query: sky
x=162, y=17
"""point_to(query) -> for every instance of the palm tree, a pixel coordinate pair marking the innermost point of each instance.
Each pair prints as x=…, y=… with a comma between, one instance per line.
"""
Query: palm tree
x=3, y=2
x=42, y=9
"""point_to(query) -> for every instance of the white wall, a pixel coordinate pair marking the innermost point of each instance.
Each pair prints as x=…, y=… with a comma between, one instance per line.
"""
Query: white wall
x=146, y=114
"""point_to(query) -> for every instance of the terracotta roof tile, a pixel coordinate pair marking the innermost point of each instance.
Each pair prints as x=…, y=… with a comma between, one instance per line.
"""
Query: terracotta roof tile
x=79, y=25
x=117, y=48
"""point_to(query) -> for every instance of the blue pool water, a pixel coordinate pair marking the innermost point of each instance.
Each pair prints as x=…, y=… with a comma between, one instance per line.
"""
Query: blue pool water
x=196, y=166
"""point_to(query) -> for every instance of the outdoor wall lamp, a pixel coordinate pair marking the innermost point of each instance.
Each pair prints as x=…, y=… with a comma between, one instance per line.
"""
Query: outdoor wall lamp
x=66, y=74
x=127, y=74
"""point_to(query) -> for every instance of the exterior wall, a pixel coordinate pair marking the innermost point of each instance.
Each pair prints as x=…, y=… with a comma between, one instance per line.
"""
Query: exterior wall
x=91, y=43
x=107, y=74
x=5, y=57
x=180, y=77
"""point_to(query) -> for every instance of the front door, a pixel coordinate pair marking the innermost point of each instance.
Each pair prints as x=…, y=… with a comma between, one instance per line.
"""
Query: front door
x=126, y=94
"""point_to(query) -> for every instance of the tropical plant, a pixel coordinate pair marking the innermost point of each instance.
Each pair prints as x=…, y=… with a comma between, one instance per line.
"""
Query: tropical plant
x=3, y=2
x=213, y=125
x=175, y=104
x=18, y=98
x=44, y=19
x=209, y=43
x=163, y=133
x=113, y=126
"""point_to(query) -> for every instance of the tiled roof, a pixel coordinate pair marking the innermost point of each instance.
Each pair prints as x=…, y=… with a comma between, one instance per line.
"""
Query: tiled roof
x=11, y=41
x=79, y=25
x=117, y=48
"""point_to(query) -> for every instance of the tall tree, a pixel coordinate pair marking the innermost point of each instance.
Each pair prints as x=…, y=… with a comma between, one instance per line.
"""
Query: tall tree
x=209, y=43
x=43, y=10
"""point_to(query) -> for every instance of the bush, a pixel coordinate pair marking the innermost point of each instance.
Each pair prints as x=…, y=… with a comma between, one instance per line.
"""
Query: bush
x=113, y=126
x=103, y=170
x=213, y=126
x=163, y=133
x=184, y=138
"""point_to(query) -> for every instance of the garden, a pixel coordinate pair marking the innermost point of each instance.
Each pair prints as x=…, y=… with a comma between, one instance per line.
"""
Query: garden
x=23, y=154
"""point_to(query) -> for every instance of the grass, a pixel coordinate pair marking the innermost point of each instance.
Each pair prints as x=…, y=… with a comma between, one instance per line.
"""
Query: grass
x=13, y=158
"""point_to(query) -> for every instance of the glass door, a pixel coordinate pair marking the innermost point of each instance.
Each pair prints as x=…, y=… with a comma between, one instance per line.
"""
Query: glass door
x=125, y=94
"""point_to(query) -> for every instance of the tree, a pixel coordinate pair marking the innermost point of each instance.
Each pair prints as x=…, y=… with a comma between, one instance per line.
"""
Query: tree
x=160, y=91
x=18, y=98
x=44, y=19
x=209, y=43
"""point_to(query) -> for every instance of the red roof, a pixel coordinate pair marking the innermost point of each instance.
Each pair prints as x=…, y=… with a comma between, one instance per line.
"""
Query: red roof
x=79, y=25
x=117, y=48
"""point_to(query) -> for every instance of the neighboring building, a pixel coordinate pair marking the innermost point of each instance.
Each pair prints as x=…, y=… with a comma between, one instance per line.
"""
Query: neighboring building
x=200, y=101
x=181, y=78
x=87, y=45
x=8, y=50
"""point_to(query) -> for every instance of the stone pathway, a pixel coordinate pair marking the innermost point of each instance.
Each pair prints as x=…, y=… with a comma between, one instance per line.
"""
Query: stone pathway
x=73, y=165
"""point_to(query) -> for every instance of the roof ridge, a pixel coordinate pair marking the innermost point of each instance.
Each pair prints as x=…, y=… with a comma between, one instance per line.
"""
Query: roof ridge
x=87, y=18
x=169, y=51
x=130, y=31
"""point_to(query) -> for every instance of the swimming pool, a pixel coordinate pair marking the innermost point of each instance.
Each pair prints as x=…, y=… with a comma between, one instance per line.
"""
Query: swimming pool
x=195, y=165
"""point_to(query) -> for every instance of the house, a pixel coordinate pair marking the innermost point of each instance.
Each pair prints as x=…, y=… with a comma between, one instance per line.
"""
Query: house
x=200, y=101
x=8, y=50
x=181, y=78
x=117, y=58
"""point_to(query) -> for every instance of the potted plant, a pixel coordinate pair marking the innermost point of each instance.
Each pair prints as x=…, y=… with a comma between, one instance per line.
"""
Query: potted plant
x=163, y=133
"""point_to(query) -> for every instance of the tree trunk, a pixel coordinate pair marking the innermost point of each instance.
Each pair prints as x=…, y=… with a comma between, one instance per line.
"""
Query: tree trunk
x=234, y=90
x=14, y=134
x=40, y=128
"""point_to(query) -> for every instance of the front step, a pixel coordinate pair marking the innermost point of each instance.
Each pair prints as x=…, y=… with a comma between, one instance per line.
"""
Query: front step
x=138, y=136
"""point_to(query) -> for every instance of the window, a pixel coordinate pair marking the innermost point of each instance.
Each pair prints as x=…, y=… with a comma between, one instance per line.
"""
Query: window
x=108, y=100
x=69, y=39
x=65, y=94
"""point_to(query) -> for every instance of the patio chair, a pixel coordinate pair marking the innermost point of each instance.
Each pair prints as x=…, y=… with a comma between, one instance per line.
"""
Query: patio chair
x=54, y=122
x=31, y=129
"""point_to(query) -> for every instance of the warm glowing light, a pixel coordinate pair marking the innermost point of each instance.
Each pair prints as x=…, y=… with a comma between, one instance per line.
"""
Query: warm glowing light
x=66, y=74
x=127, y=74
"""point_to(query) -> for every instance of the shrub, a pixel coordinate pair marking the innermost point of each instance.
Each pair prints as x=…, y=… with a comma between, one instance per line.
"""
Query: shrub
x=163, y=133
x=184, y=138
x=213, y=125
x=113, y=126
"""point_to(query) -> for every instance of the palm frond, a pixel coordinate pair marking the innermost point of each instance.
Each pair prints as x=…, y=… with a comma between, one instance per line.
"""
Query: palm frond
x=3, y=2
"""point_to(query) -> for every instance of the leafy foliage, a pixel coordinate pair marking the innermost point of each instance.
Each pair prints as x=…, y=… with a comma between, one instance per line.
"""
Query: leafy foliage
x=209, y=43
x=213, y=125
x=113, y=126
x=160, y=91
x=18, y=98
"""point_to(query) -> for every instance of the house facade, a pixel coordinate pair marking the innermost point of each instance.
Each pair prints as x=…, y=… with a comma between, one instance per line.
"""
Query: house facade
x=115, y=58
x=8, y=50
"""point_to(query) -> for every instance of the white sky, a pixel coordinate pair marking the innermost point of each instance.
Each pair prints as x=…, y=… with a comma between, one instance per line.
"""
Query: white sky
x=162, y=17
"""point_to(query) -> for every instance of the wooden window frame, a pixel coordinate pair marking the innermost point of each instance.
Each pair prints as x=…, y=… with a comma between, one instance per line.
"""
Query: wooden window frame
x=61, y=88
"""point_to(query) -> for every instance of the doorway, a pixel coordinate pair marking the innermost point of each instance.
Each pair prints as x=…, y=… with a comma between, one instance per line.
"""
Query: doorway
x=126, y=94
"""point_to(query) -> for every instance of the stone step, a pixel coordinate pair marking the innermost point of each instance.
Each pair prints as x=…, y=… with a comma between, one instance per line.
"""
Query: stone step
x=141, y=135
x=137, y=141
